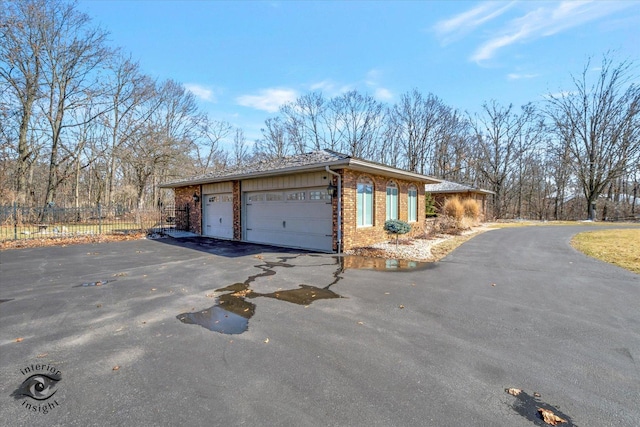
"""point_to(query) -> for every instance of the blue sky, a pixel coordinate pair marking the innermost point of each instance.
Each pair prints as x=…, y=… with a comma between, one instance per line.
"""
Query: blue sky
x=242, y=59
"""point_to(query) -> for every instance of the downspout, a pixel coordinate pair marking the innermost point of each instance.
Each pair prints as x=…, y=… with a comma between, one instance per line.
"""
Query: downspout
x=339, y=207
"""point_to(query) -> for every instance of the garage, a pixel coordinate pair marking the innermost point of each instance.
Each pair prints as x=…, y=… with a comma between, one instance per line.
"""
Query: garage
x=217, y=216
x=299, y=217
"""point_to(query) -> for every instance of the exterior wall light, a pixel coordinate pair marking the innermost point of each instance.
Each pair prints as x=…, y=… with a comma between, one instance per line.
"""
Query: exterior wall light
x=331, y=190
x=196, y=198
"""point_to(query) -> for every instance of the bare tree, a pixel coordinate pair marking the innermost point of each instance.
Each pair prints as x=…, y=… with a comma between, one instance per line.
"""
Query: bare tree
x=21, y=70
x=240, y=149
x=502, y=137
x=600, y=124
x=415, y=120
x=274, y=139
x=358, y=123
x=156, y=150
x=72, y=51
x=208, y=151
x=127, y=90
x=303, y=122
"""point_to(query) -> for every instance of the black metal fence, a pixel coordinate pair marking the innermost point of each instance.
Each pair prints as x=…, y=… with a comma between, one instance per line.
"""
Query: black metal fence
x=19, y=222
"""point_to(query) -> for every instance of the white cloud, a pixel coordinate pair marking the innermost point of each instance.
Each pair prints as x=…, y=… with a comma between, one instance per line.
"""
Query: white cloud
x=200, y=92
x=383, y=94
x=546, y=20
x=458, y=26
x=268, y=100
x=517, y=76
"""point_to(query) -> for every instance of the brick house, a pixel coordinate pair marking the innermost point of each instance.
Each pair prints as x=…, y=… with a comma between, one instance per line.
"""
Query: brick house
x=322, y=200
x=444, y=190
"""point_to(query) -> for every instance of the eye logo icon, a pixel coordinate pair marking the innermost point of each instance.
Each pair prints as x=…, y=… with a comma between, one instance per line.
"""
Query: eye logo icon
x=38, y=387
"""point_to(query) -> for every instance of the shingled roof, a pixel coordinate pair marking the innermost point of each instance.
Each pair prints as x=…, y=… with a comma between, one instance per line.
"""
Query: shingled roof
x=307, y=162
x=453, y=187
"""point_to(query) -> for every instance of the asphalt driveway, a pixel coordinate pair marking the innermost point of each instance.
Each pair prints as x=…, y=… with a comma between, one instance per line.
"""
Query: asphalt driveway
x=136, y=334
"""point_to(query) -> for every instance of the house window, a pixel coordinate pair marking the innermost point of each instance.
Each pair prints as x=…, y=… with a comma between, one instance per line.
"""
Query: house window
x=364, y=203
x=298, y=195
x=412, y=204
x=319, y=195
x=256, y=197
x=392, y=201
x=274, y=197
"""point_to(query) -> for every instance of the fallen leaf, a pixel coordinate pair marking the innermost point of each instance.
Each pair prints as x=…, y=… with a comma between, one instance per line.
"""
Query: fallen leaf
x=266, y=341
x=19, y=339
x=99, y=305
x=550, y=418
x=401, y=306
x=536, y=394
x=493, y=284
x=41, y=355
x=115, y=368
x=210, y=295
x=360, y=323
x=387, y=293
x=513, y=391
x=153, y=289
x=119, y=329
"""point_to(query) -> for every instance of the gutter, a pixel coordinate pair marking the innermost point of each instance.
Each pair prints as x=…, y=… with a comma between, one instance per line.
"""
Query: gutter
x=326, y=168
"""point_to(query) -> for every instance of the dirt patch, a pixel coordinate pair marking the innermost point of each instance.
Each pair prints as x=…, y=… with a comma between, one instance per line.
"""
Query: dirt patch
x=69, y=240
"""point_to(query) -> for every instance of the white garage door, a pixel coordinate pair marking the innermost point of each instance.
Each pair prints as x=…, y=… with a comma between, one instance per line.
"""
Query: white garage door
x=218, y=215
x=299, y=218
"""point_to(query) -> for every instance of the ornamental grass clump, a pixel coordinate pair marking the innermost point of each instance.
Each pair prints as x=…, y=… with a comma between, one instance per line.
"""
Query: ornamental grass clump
x=453, y=208
x=397, y=227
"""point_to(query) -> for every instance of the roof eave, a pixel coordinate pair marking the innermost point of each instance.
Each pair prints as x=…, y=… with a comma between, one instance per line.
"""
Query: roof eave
x=364, y=166
x=261, y=174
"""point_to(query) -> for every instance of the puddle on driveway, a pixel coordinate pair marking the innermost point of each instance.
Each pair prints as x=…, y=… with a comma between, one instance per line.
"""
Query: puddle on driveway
x=229, y=316
x=356, y=262
x=232, y=310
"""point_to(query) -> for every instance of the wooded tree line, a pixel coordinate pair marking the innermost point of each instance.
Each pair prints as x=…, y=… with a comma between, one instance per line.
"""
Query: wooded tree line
x=81, y=123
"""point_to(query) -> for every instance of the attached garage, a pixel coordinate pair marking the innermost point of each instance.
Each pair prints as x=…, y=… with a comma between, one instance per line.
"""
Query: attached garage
x=296, y=217
x=217, y=215
x=308, y=201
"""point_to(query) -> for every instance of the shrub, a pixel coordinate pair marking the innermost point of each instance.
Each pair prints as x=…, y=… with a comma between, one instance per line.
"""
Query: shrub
x=453, y=208
x=471, y=209
x=430, y=206
x=397, y=227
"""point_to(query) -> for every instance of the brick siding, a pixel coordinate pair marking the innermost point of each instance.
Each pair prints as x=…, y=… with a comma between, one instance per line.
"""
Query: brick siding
x=184, y=197
x=354, y=236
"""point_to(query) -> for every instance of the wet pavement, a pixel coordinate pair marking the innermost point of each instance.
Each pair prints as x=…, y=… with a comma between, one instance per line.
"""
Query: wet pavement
x=194, y=331
x=231, y=312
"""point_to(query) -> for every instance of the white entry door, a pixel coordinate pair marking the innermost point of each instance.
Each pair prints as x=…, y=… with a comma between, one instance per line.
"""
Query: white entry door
x=301, y=218
x=218, y=215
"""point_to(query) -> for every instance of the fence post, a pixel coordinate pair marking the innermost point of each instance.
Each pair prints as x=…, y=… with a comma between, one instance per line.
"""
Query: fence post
x=188, y=217
x=15, y=221
x=99, y=219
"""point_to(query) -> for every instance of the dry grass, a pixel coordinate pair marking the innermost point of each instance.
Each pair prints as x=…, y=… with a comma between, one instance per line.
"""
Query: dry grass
x=617, y=246
x=453, y=208
x=546, y=223
x=443, y=249
x=65, y=241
